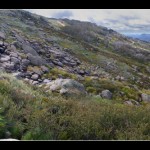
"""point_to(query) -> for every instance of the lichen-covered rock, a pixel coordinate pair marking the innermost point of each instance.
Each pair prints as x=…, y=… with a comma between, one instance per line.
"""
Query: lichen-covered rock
x=67, y=87
x=28, y=49
x=46, y=81
x=4, y=58
x=35, y=77
x=106, y=94
x=145, y=97
x=36, y=60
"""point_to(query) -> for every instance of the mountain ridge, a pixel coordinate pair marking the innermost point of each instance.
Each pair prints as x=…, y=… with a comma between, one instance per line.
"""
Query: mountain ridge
x=48, y=65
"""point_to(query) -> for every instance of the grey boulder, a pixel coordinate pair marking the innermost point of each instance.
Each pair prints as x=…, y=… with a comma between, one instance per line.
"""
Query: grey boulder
x=145, y=97
x=36, y=60
x=28, y=49
x=66, y=87
x=4, y=59
x=35, y=77
x=106, y=94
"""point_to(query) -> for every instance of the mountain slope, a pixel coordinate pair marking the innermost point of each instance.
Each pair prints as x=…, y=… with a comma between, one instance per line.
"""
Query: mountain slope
x=78, y=48
x=61, y=59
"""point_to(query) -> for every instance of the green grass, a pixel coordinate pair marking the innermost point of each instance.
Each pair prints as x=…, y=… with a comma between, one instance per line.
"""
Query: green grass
x=32, y=114
x=56, y=72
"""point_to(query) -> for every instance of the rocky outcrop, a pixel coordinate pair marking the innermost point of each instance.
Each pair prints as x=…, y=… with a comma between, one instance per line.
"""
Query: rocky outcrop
x=10, y=61
x=66, y=87
x=28, y=49
x=44, y=50
x=36, y=60
x=59, y=57
x=36, y=54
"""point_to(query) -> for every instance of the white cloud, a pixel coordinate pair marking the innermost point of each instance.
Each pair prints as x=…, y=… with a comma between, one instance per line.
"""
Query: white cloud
x=122, y=20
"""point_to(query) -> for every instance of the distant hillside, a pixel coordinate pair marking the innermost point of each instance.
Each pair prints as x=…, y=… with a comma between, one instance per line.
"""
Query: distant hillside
x=143, y=37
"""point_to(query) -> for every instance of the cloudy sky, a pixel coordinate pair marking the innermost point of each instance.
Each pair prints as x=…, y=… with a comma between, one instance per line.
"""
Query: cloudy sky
x=121, y=20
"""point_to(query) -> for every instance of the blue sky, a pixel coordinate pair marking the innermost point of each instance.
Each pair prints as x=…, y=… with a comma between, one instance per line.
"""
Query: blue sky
x=121, y=20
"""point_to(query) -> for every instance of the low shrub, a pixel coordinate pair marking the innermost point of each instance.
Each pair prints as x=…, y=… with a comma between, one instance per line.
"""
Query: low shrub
x=56, y=73
x=32, y=114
